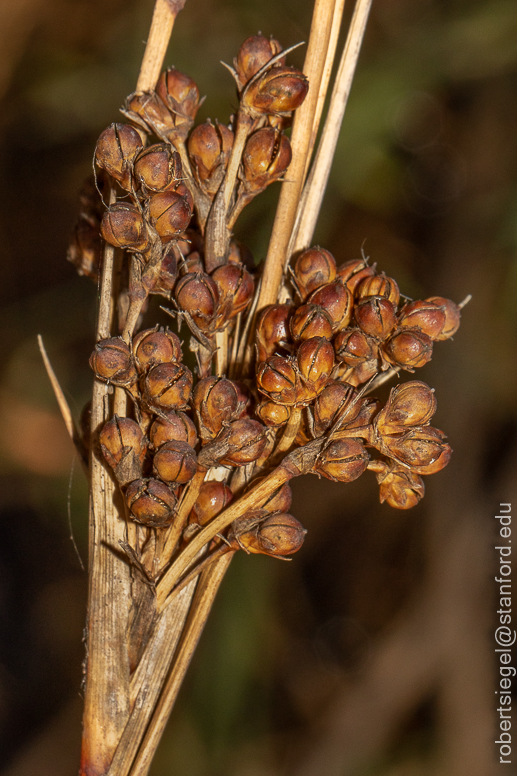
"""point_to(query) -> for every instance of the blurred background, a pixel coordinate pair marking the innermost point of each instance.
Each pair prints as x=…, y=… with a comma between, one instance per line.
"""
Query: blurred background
x=372, y=652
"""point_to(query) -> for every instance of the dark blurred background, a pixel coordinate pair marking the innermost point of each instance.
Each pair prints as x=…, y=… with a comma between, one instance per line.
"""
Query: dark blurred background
x=372, y=652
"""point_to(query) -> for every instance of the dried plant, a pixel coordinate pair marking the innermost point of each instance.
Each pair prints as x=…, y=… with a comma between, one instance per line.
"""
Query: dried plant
x=185, y=471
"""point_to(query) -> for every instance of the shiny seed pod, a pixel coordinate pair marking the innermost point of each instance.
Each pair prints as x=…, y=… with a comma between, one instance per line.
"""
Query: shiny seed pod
x=170, y=214
x=273, y=414
x=343, y=460
x=254, y=53
x=246, y=440
x=194, y=263
x=314, y=268
x=452, y=316
x=216, y=401
x=181, y=95
x=235, y=286
x=354, y=347
x=278, y=379
x=175, y=462
x=157, y=167
x=213, y=497
x=156, y=346
x=266, y=156
x=118, y=437
x=173, y=426
x=375, y=315
x=209, y=147
x=330, y=403
x=409, y=404
x=148, y=111
x=280, y=90
x=423, y=315
x=197, y=294
x=272, y=330
x=400, y=487
x=310, y=320
x=150, y=502
x=353, y=272
x=409, y=348
x=112, y=362
x=422, y=449
x=379, y=285
x=315, y=362
x=278, y=535
x=116, y=149
x=337, y=301
x=168, y=273
x=124, y=227
x=168, y=386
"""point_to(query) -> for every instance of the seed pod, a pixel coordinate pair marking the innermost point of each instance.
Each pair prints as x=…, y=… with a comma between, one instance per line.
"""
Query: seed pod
x=235, y=286
x=253, y=54
x=363, y=372
x=213, y=497
x=337, y=300
x=400, y=487
x=354, y=347
x=116, y=149
x=315, y=362
x=266, y=156
x=452, y=316
x=181, y=95
x=246, y=440
x=310, y=320
x=209, y=148
x=278, y=379
x=156, y=346
x=280, y=90
x=314, y=268
x=331, y=401
x=157, y=167
x=175, y=463
x=353, y=272
x=375, y=315
x=409, y=348
x=409, y=404
x=423, y=315
x=124, y=447
x=170, y=214
x=342, y=460
x=194, y=263
x=197, y=294
x=241, y=254
x=272, y=330
x=278, y=535
x=168, y=272
x=147, y=110
x=379, y=285
x=167, y=386
x=150, y=502
x=423, y=449
x=124, y=227
x=112, y=362
x=273, y=414
x=173, y=427
x=216, y=401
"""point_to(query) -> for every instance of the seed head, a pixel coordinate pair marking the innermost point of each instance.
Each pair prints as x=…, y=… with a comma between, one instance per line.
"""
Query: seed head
x=116, y=150
x=124, y=227
x=343, y=460
x=151, y=502
x=314, y=268
x=175, y=463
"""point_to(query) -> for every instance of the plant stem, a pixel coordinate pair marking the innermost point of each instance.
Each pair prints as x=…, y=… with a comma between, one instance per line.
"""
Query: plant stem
x=164, y=16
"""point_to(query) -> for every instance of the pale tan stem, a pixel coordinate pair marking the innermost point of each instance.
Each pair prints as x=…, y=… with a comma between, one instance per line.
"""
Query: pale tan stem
x=221, y=352
x=310, y=205
x=244, y=124
x=290, y=433
x=164, y=16
x=188, y=501
x=300, y=140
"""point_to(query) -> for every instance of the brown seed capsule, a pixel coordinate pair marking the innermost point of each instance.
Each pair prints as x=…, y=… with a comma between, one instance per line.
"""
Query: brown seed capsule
x=253, y=54
x=112, y=361
x=173, y=427
x=84, y=251
x=213, y=497
x=452, y=316
x=175, y=462
x=181, y=95
x=400, y=487
x=194, y=263
x=235, y=286
x=157, y=167
x=342, y=460
x=409, y=348
x=209, y=148
x=170, y=214
x=354, y=347
x=315, y=362
x=150, y=502
x=216, y=401
x=168, y=386
x=278, y=379
x=423, y=315
x=331, y=402
x=310, y=320
x=156, y=346
x=241, y=254
x=353, y=272
x=363, y=372
x=168, y=272
x=246, y=440
x=280, y=90
x=124, y=227
x=314, y=268
x=375, y=315
x=272, y=330
x=337, y=301
x=273, y=414
x=409, y=404
x=116, y=149
x=278, y=535
x=266, y=156
x=147, y=110
x=423, y=449
x=379, y=285
x=197, y=294
x=118, y=437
